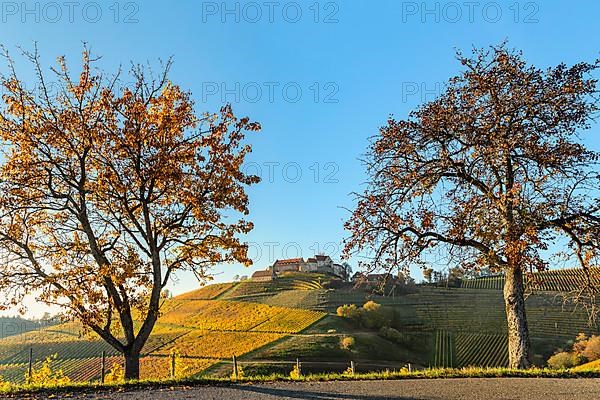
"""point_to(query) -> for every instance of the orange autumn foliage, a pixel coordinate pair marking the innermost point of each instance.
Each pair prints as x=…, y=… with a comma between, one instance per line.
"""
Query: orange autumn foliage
x=106, y=192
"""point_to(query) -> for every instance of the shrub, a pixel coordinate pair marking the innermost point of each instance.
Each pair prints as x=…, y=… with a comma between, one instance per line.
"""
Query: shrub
x=393, y=335
x=240, y=373
x=373, y=316
x=295, y=373
x=592, y=349
x=347, y=343
x=4, y=386
x=45, y=376
x=562, y=360
x=116, y=374
x=584, y=350
x=349, y=311
x=371, y=306
x=580, y=343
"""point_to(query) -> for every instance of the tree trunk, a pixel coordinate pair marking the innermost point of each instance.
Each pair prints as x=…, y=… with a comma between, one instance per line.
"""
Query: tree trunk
x=132, y=365
x=518, y=332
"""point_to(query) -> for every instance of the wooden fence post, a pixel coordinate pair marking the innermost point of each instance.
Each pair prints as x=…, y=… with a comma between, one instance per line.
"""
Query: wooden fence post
x=103, y=367
x=235, y=367
x=298, y=367
x=30, y=372
x=173, y=365
x=409, y=368
x=352, y=370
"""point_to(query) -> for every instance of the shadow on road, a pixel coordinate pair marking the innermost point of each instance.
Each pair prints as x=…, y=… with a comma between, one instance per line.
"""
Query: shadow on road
x=307, y=394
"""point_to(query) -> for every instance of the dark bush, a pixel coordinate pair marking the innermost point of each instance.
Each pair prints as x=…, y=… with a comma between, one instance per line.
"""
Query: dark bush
x=394, y=335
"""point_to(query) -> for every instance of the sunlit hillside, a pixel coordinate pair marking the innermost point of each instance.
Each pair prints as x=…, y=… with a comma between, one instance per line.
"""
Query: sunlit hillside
x=200, y=329
x=269, y=325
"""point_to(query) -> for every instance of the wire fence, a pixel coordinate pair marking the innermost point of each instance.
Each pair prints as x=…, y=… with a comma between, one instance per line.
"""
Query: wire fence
x=165, y=366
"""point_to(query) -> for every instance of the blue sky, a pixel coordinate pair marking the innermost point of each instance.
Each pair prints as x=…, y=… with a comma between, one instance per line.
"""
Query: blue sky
x=320, y=76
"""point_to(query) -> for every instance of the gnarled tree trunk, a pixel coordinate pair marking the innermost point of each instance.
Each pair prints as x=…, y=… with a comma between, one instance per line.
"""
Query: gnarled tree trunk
x=132, y=365
x=518, y=332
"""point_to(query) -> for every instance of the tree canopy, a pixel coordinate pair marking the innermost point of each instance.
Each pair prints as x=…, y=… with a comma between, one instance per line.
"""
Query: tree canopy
x=107, y=190
x=493, y=173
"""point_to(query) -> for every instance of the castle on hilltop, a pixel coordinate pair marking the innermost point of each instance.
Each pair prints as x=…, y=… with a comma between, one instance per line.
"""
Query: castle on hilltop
x=318, y=264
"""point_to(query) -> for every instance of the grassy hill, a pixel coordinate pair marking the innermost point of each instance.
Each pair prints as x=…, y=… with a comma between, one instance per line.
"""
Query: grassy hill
x=203, y=326
x=269, y=325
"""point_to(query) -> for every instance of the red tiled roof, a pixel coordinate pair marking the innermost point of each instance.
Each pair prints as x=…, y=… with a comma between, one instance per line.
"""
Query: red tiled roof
x=290, y=261
x=259, y=274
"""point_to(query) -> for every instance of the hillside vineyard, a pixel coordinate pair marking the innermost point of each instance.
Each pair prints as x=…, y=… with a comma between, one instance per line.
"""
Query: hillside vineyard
x=294, y=317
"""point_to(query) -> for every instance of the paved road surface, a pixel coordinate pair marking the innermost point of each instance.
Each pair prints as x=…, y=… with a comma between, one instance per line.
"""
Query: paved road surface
x=451, y=389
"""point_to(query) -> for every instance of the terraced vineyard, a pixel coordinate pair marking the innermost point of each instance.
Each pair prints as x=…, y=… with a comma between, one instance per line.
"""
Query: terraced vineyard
x=202, y=332
x=10, y=326
x=238, y=316
x=564, y=280
x=313, y=284
x=454, y=310
x=289, y=322
x=77, y=369
x=59, y=333
x=159, y=367
x=19, y=354
x=207, y=293
x=218, y=345
x=289, y=281
x=552, y=323
x=472, y=310
x=446, y=326
x=249, y=289
x=459, y=312
x=475, y=349
x=444, y=349
x=306, y=299
x=488, y=282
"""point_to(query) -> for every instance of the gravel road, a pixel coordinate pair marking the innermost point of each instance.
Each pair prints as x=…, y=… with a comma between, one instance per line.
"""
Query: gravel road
x=451, y=389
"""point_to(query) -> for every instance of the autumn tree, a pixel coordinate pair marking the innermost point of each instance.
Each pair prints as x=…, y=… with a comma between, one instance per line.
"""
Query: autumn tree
x=489, y=174
x=109, y=189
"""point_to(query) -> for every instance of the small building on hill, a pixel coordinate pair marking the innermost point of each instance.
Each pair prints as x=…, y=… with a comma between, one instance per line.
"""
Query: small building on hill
x=318, y=264
x=263, y=276
x=290, y=264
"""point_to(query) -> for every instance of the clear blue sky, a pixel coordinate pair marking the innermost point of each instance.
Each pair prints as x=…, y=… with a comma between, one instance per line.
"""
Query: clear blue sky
x=355, y=62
